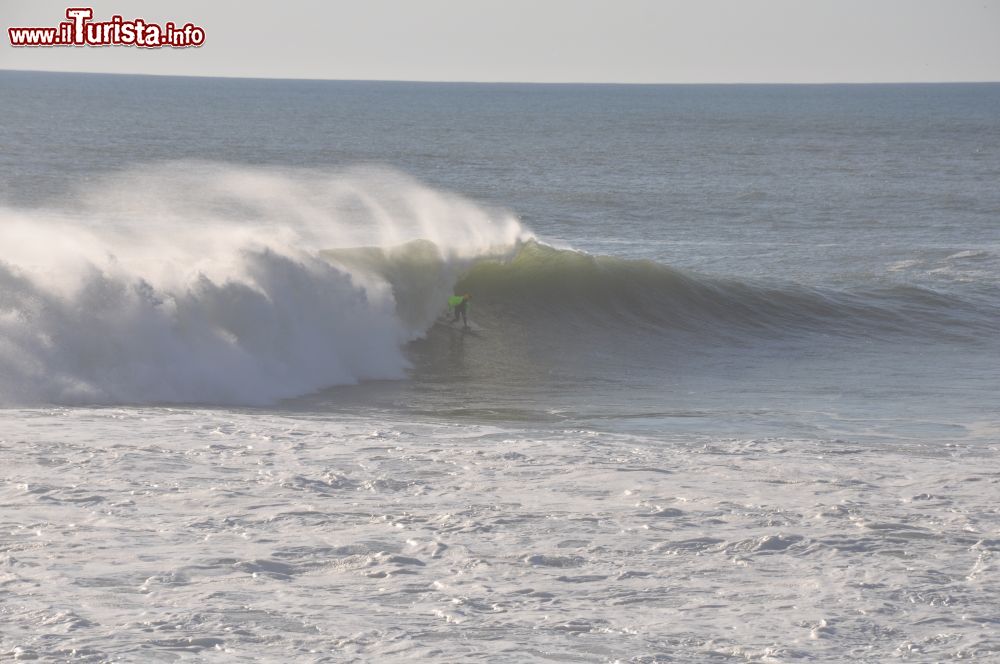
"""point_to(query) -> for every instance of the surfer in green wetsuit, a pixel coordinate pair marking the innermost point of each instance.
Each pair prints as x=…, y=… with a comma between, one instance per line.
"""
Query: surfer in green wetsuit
x=460, y=305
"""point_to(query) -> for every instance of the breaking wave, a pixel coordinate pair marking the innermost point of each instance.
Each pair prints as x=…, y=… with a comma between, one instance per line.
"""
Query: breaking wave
x=197, y=283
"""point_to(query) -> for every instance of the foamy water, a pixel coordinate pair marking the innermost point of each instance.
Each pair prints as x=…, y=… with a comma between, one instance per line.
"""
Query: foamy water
x=236, y=536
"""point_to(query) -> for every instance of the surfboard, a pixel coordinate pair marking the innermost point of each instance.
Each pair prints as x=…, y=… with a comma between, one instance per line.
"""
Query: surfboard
x=472, y=328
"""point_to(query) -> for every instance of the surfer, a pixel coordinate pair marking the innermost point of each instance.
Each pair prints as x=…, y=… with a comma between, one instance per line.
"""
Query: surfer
x=460, y=305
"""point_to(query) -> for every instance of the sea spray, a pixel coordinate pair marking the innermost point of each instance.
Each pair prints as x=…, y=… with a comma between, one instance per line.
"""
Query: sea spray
x=203, y=283
x=211, y=284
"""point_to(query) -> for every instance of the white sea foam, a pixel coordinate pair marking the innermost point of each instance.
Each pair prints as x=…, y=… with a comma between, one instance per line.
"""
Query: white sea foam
x=204, y=283
x=274, y=537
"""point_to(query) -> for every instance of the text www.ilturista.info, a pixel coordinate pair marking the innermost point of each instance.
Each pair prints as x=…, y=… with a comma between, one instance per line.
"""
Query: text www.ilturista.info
x=79, y=30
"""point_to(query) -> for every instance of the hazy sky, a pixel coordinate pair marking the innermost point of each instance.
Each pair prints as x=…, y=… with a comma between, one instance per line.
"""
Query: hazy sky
x=647, y=41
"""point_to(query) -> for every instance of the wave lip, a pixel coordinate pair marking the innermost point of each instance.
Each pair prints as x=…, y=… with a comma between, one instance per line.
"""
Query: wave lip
x=207, y=286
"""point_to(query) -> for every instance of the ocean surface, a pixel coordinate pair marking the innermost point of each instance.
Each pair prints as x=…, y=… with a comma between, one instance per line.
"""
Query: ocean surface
x=731, y=390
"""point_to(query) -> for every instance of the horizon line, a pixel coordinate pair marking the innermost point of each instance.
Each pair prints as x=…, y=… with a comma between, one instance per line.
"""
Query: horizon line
x=497, y=82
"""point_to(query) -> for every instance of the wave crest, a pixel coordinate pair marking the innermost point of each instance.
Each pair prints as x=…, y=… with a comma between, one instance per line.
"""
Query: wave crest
x=195, y=283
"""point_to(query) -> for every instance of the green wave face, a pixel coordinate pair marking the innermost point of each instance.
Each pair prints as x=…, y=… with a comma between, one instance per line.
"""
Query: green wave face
x=538, y=290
